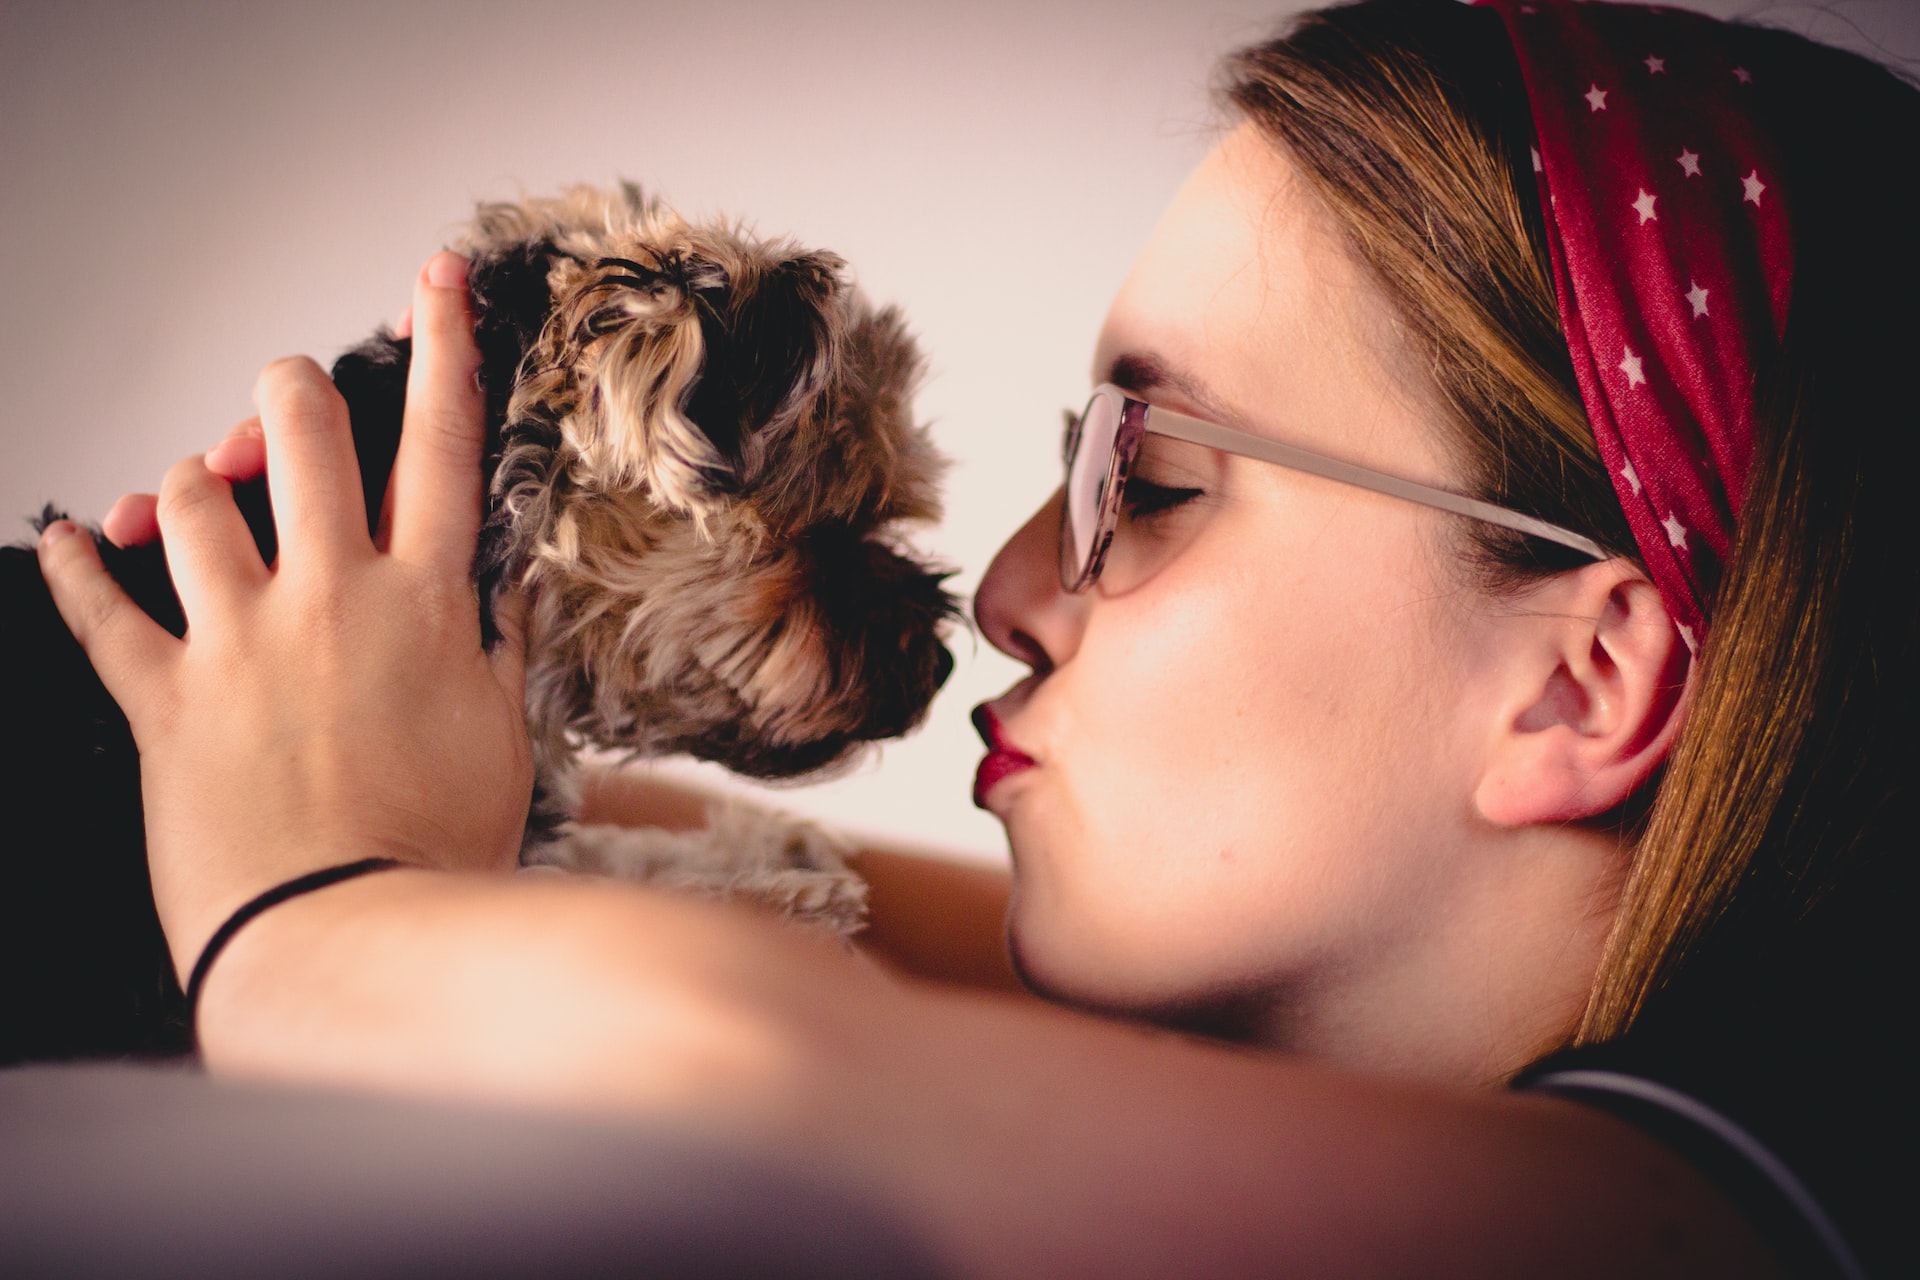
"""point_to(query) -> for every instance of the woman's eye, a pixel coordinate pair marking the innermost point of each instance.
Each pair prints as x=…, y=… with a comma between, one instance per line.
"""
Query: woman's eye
x=1143, y=498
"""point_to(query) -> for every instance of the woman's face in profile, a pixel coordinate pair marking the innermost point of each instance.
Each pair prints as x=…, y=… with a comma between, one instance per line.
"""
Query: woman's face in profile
x=1254, y=738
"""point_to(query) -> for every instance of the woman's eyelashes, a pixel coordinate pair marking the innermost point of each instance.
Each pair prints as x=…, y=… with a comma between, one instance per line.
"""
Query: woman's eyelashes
x=1141, y=498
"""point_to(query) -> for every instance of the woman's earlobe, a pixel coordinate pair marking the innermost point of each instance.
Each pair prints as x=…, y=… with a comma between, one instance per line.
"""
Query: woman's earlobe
x=1601, y=697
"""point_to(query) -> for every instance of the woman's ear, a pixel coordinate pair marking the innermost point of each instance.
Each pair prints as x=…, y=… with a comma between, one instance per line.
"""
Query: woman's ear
x=1596, y=682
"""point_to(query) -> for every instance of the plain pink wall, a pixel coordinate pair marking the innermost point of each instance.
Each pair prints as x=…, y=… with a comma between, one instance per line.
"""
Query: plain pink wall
x=188, y=190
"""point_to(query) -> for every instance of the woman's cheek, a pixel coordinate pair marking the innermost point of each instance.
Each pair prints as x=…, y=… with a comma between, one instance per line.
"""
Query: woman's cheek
x=1225, y=757
x=1115, y=838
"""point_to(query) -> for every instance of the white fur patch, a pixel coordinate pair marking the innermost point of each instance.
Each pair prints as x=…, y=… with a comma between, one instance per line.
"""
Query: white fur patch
x=744, y=852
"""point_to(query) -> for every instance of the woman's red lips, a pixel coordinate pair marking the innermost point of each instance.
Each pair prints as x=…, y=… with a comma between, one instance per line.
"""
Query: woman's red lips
x=1002, y=760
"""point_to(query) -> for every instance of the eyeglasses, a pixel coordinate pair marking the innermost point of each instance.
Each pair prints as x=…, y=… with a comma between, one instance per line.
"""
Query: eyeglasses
x=1101, y=444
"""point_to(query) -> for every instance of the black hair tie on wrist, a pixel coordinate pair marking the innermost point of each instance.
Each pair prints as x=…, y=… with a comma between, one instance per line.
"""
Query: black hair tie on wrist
x=254, y=906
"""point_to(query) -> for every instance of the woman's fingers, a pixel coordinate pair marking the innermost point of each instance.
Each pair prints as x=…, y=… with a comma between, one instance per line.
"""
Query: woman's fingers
x=319, y=506
x=432, y=510
x=435, y=495
x=210, y=551
x=242, y=455
x=132, y=521
x=121, y=641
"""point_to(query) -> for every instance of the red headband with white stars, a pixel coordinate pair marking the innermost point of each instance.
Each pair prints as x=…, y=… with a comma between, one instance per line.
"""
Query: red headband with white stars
x=1672, y=258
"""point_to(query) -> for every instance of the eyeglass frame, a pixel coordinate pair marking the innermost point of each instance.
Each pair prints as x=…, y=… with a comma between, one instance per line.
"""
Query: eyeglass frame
x=1138, y=419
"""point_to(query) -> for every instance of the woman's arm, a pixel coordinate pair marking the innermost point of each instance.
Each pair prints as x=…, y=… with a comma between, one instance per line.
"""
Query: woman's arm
x=1016, y=1138
x=633, y=797
x=938, y=918
x=928, y=916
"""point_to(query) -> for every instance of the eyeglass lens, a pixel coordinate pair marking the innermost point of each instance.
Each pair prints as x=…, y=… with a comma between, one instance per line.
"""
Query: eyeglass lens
x=1090, y=456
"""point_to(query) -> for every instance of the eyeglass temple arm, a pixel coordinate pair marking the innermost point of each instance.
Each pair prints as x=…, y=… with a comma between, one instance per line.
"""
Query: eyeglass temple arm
x=1197, y=431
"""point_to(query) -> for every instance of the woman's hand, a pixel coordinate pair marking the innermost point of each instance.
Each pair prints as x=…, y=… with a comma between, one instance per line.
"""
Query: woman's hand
x=336, y=705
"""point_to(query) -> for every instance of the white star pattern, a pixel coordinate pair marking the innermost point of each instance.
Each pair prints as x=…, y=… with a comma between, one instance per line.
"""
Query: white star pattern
x=1632, y=367
x=1700, y=232
x=1676, y=532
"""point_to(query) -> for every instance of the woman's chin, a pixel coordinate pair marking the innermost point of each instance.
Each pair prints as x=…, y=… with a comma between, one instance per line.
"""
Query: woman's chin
x=1058, y=956
x=1235, y=1013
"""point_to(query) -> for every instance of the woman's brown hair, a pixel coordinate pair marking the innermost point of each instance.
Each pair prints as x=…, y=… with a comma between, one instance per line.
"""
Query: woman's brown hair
x=1777, y=828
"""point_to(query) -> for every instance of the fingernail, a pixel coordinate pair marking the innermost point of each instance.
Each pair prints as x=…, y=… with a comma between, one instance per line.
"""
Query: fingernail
x=56, y=531
x=446, y=270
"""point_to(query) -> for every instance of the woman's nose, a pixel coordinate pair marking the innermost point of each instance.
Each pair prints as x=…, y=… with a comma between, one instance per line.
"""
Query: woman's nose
x=1020, y=606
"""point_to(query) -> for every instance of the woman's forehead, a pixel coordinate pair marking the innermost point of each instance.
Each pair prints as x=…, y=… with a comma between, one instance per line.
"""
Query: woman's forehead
x=1246, y=294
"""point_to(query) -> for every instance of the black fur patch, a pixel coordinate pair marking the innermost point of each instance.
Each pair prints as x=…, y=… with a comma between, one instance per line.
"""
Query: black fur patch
x=765, y=354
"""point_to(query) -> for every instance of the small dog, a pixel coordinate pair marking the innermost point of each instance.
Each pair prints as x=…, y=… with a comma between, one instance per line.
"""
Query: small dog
x=702, y=467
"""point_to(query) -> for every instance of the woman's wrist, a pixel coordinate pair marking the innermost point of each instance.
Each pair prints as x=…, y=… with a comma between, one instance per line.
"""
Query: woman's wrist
x=260, y=903
x=196, y=899
x=295, y=969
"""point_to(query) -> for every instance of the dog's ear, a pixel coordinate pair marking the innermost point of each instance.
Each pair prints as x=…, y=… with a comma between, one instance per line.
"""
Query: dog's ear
x=767, y=347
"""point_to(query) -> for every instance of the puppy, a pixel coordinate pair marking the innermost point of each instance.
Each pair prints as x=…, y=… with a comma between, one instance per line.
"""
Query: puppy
x=702, y=468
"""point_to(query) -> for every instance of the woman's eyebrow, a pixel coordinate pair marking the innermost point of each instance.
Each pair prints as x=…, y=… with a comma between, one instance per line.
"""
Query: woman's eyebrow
x=1138, y=373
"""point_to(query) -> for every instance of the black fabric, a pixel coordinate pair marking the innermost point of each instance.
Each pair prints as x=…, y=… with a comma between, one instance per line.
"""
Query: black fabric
x=87, y=969
x=1796, y=1032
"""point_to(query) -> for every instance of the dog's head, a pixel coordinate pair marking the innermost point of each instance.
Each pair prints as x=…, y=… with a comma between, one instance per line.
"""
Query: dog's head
x=710, y=461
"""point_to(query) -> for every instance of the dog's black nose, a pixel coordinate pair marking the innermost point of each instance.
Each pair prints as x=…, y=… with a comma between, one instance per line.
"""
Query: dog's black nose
x=946, y=667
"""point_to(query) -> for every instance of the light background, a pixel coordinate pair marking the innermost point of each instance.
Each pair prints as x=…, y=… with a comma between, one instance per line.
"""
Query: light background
x=190, y=189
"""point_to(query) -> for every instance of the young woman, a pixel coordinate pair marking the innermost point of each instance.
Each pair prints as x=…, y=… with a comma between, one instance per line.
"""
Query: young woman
x=1390, y=793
